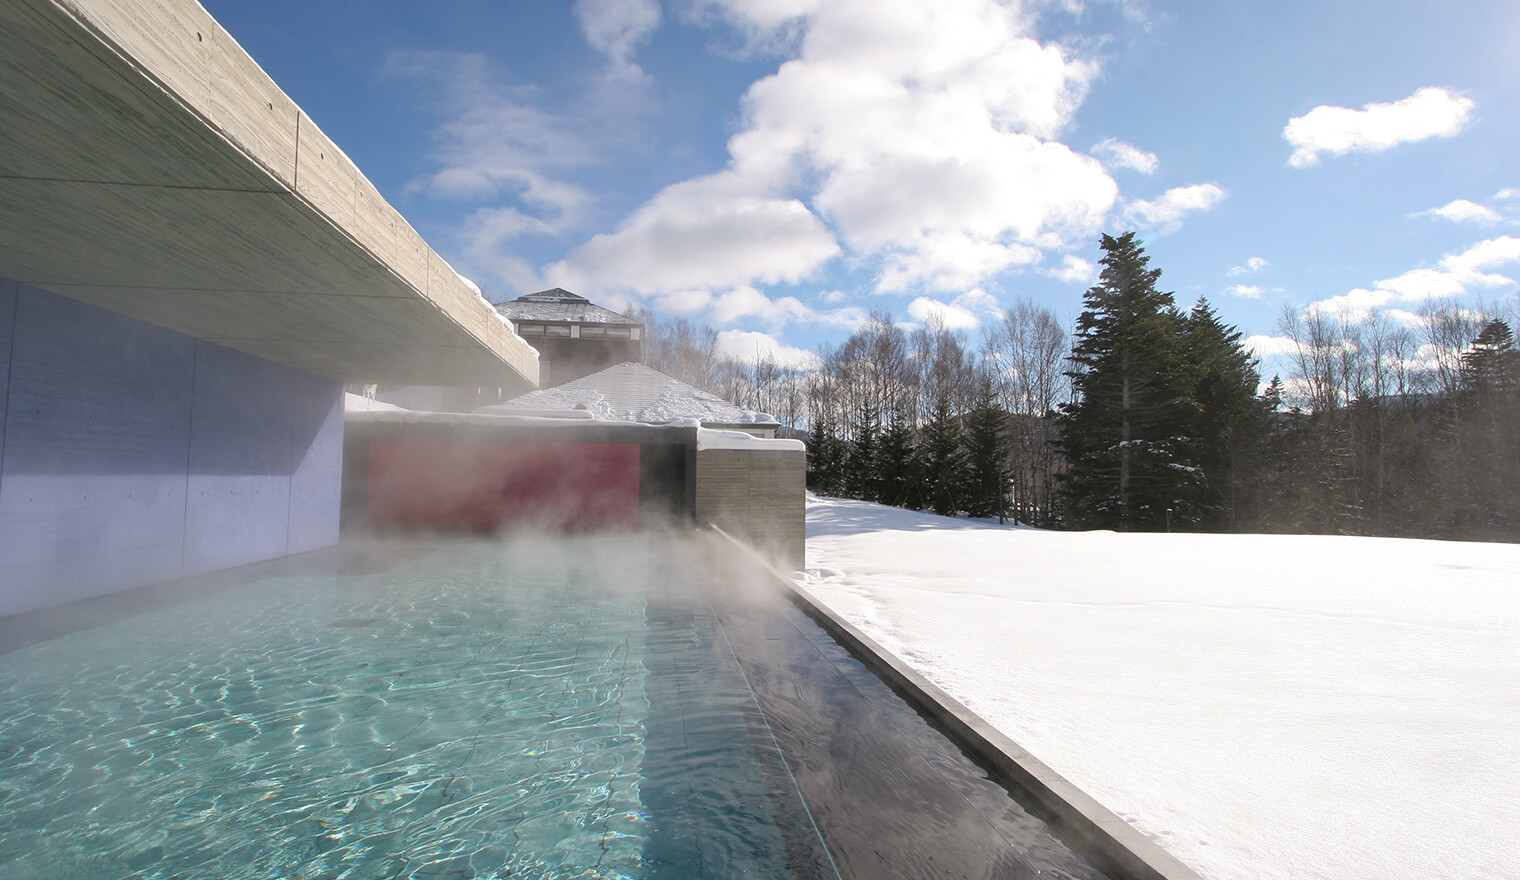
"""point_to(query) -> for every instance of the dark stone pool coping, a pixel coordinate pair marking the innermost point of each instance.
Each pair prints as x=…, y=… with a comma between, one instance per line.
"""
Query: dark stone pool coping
x=1111, y=843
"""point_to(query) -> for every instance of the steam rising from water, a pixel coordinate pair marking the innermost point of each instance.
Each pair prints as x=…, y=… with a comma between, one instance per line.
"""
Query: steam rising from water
x=440, y=705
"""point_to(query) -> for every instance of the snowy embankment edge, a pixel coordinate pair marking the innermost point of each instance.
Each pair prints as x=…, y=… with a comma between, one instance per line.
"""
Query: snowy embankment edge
x=1112, y=844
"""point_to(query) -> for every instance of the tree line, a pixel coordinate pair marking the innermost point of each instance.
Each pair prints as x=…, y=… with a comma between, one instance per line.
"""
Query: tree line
x=1146, y=416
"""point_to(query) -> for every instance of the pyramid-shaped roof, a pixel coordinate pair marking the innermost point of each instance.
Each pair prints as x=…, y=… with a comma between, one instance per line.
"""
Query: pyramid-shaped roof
x=559, y=305
x=634, y=393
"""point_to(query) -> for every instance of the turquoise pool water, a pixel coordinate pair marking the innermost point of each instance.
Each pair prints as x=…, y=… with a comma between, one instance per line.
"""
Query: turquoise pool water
x=440, y=711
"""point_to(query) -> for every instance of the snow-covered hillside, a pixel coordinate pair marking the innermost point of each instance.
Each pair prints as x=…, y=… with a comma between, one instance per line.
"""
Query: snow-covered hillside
x=1261, y=706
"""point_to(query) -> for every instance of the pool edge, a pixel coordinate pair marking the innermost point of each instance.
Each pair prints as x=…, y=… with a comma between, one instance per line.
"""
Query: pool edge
x=1113, y=845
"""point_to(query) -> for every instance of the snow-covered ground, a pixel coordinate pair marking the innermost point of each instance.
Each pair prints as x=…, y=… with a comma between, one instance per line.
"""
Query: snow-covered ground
x=1262, y=706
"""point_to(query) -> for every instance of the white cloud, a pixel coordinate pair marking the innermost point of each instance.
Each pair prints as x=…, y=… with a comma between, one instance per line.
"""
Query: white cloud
x=749, y=346
x=963, y=313
x=1355, y=302
x=1117, y=154
x=495, y=142
x=921, y=133
x=952, y=316
x=1405, y=317
x=747, y=302
x=615, y=28
x=947, y=260
x=683, y=302
x=1074, y=270
x=702, y=233
x=1165, y=214
x=764, y=26
x=1490, y=254
x=1462, y=211
x=1428, y=113
x=483, y=236
x=980, y=302
x=1254, y=264
x=1454, y=276
x=1249, y=291
x=1270, y=346
x=1508, y=192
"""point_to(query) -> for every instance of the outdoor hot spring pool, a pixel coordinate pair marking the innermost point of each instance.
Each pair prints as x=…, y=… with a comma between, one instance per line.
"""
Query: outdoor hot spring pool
x=581, y=708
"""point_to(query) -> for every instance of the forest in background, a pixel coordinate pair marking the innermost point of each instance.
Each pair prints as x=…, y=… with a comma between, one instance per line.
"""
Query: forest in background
x=1146, y=416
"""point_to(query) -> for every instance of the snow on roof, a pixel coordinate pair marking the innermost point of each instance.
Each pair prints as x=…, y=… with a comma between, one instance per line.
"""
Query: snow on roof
x=634, y=393
x=708, y=438
x=558, y=304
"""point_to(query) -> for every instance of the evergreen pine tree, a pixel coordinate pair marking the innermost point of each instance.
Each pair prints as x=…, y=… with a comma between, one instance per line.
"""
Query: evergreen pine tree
x=1491, y=365
x=943, y=460
x=894, y=463
x=861, y=478
x=986, y=457
x=825, y=457
x=916, y=493
x=1229, y=418
x=1126, y=436
x=1487, y=416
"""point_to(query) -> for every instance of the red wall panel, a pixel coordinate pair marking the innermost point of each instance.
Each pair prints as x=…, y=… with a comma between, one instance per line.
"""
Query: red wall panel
x=488, y=486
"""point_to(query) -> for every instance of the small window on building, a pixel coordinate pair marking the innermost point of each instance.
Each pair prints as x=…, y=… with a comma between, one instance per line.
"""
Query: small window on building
x=557, y=330
x=530, y=329
x=592, y=331
x=618, y=332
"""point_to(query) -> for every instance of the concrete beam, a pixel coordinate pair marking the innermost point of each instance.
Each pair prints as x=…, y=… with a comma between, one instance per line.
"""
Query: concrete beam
x=150, y=167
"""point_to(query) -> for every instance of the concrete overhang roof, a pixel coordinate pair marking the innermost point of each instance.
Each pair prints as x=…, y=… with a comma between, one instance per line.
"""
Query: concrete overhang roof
x=149, y=166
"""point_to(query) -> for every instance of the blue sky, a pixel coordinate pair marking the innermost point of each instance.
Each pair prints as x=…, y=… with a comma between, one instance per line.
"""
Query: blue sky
x=776, y=167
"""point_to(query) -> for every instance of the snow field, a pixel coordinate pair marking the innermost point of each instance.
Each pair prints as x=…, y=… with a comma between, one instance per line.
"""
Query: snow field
x=1262, y=706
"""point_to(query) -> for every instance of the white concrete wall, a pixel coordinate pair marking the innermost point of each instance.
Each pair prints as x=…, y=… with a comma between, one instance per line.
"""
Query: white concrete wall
x=131, y=454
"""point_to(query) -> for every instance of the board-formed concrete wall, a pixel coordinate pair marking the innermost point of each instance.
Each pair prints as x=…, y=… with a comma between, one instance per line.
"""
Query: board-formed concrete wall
x=131, y=454
x=758, y=497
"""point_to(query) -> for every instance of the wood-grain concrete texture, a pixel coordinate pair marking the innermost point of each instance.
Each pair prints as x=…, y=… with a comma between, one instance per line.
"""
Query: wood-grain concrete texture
x=150, y=167
x=757, y=496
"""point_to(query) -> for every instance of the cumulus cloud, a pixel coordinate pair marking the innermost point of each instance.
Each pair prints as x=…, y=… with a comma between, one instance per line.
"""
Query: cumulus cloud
x=950, y=315
x=749, y=346
x=684, y=302
x=1454, y=276
x=1356, y=302
x=615, y=28
x=746, y=301
x=1165, y=214
x=1075, y=270
x=702, y=233
x=1462, y=211
x=963, y=313
x=1253, y=265
x=1117, y=154
x=1457, y=274
x=1249, y=291
x=1428, y=113
x=915, y=137
x=1270, y=346
x=1508, y=192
